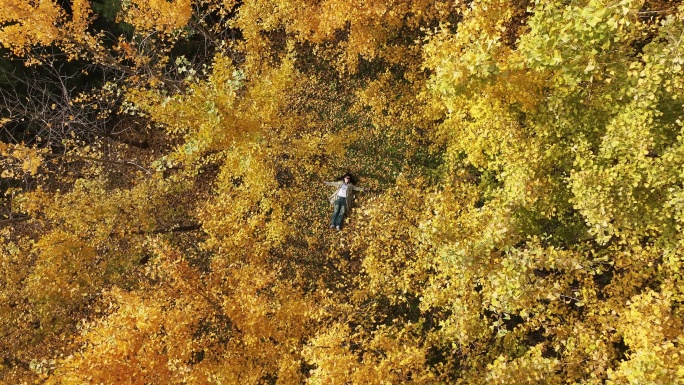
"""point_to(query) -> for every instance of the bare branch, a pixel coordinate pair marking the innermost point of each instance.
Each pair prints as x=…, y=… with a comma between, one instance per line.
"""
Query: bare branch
x=21, y=218
x=107, y=161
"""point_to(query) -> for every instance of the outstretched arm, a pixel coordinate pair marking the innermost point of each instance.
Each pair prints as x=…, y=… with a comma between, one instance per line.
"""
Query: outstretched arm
x=355, y=188
x=333, y=184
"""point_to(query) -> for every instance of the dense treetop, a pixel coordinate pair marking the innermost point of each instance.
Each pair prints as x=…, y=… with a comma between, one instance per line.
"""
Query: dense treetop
x=164, y=218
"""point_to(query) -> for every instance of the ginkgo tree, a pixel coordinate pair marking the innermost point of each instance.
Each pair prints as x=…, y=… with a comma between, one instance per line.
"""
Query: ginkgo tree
x=521, y=222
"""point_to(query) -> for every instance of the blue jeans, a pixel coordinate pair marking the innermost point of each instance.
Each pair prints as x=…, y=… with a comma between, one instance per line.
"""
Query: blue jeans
x=338, y=212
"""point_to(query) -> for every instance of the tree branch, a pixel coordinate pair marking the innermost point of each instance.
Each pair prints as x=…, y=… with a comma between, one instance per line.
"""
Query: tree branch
x=107, y=161
x=18, y=219
x=179, y=229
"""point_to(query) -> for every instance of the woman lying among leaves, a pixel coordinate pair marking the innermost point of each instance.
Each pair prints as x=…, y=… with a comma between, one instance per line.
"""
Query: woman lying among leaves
x=342, y=199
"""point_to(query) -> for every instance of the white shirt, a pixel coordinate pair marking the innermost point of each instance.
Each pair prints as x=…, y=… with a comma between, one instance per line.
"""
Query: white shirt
x=342, y=192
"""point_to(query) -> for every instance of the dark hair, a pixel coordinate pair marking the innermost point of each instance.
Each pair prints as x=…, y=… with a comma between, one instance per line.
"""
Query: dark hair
x=352, y=180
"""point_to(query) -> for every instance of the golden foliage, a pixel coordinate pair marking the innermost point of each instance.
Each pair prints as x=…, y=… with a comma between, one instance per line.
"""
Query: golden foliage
x=158, y=15
x=521, y=221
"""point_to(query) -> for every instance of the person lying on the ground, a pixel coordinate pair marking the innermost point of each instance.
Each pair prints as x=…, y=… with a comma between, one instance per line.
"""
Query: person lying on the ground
x=342, y=199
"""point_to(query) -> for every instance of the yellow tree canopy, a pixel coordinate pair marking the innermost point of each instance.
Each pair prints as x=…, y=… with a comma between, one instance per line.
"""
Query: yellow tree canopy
x=164, y=217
